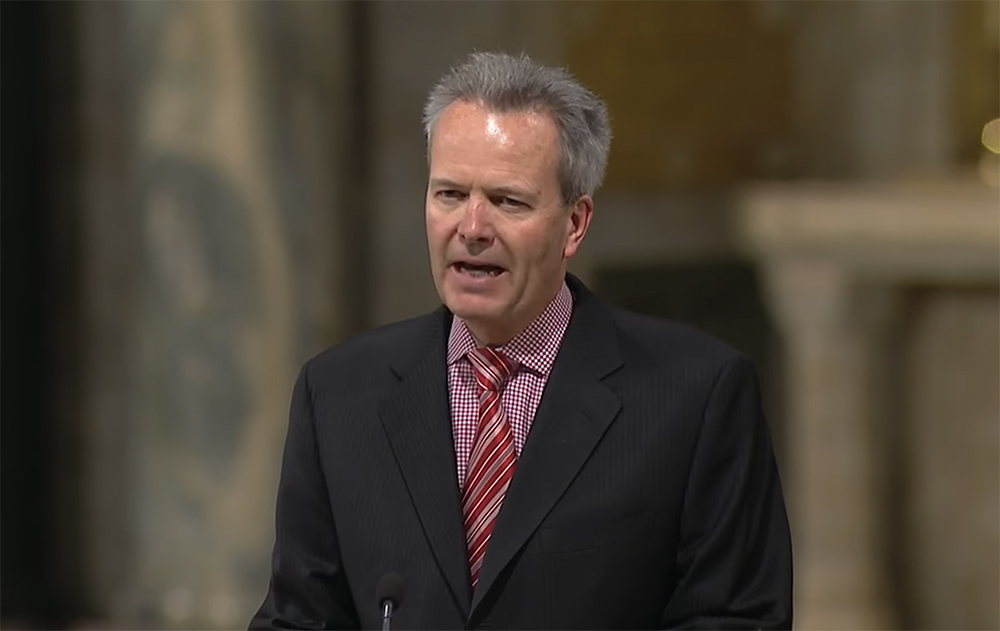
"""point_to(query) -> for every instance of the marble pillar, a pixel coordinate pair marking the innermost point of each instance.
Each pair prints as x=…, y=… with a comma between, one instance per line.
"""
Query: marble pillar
x=227, y=246
x=951, y=535
x=829, y=324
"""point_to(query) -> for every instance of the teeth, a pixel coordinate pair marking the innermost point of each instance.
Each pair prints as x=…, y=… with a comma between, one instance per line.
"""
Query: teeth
x=477, y=271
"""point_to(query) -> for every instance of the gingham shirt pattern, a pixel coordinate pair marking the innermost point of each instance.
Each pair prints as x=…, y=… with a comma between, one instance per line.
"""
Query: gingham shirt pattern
x=533, y=352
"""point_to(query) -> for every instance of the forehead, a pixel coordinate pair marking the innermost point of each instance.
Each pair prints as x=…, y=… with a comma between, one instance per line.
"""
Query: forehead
x=467, y=136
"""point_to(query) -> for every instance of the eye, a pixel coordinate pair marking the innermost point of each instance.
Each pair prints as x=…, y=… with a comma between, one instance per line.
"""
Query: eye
x=510, y=202
x=450, y=194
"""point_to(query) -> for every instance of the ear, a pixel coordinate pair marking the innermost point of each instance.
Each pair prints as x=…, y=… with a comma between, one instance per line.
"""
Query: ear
x=578, y=223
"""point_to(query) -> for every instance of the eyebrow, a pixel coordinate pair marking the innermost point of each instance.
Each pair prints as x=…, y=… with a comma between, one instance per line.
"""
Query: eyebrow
x=445, y=183
x=501, y=191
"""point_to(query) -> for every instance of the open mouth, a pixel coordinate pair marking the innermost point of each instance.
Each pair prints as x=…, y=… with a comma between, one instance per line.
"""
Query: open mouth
x=479, y=271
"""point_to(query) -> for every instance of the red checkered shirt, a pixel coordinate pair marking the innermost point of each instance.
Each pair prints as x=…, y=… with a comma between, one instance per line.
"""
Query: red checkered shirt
x=533, y=352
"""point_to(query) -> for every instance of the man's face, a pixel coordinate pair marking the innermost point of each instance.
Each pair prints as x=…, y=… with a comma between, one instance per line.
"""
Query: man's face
x=498, y=231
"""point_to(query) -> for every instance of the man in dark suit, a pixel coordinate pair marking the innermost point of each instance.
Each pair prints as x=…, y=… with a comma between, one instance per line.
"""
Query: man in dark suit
x=525, y=456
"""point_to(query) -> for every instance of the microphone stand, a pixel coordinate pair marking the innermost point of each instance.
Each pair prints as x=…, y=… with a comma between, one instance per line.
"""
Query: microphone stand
x=386, y=615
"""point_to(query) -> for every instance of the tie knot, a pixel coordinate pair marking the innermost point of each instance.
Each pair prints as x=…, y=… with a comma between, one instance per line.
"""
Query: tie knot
x=492, y=367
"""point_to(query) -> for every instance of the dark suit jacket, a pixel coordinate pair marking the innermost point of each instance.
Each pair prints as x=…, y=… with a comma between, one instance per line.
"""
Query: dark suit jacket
x=646, y=495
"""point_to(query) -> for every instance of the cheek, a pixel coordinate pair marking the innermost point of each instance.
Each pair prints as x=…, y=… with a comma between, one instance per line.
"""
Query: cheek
x=437, y=230
x=540, y=247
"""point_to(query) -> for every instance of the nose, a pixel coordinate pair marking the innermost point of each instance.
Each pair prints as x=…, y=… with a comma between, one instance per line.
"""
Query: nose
x=475, y=229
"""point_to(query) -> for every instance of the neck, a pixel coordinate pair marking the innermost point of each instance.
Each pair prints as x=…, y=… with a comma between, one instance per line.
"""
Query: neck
x=485, y=335
x=501, y=331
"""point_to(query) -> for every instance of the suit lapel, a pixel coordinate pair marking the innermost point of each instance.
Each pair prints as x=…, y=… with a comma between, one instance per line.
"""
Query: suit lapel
x=417, y=420
x=575, y=411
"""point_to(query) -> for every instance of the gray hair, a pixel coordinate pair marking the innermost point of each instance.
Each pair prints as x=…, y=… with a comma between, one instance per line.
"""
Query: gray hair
x=504, y=83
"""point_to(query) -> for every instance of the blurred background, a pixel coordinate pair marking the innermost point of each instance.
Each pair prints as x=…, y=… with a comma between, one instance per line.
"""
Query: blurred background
x=199, y=196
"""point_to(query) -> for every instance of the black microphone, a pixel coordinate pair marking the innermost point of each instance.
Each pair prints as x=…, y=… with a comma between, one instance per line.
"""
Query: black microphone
x=390, y=594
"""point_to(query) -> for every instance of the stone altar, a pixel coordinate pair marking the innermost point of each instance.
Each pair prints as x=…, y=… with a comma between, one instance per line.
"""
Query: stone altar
x=838, y=260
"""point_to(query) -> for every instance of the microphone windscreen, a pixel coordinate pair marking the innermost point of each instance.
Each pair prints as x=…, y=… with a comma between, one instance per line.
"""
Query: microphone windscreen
x=390, y=587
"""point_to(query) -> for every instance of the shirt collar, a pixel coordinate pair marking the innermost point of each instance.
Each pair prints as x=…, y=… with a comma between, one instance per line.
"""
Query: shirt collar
x=534, y=348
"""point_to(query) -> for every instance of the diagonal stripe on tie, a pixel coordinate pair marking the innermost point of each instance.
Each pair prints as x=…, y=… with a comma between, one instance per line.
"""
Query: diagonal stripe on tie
x=491, y=463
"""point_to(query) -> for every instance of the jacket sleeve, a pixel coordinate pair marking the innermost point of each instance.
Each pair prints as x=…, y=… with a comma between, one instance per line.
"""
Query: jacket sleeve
x=734, y=553
x=308, y=589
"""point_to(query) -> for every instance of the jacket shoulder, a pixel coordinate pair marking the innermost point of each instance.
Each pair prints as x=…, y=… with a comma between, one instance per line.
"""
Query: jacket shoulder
x=670, y=340
x=373, y=349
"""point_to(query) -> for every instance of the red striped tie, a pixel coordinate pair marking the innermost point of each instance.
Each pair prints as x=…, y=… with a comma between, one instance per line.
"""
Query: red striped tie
x=491, y=464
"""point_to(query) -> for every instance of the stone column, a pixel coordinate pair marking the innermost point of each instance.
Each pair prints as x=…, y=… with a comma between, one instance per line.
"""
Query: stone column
x=222, y=268
x=828, y=324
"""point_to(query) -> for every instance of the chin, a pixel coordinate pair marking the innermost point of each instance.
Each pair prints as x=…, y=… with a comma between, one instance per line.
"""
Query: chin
x=469, y=306
x=473, y=307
